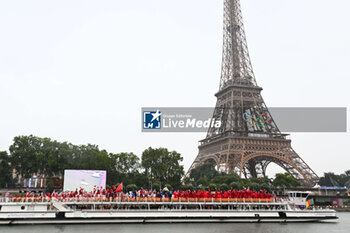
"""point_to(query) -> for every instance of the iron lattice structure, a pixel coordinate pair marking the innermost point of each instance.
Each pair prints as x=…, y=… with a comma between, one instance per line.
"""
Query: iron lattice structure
x=248, y=139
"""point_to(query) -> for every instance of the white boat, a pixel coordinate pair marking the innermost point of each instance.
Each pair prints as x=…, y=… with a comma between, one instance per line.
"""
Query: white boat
x=158, y=210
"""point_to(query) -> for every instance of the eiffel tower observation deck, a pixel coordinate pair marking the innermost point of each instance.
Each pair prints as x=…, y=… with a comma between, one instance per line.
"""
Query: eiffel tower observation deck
x=248, y=139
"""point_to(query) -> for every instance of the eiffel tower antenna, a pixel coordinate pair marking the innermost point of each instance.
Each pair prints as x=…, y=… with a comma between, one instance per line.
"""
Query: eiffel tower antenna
x=236, y=64
x=242, y=144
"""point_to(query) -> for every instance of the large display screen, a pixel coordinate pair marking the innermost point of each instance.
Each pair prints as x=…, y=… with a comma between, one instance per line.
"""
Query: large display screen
x=87, y=179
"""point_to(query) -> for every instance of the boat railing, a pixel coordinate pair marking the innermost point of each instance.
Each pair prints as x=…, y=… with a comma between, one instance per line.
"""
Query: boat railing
x=104, y=199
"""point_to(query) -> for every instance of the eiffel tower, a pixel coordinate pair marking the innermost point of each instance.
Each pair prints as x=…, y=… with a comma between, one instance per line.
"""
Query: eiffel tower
x=248, y=139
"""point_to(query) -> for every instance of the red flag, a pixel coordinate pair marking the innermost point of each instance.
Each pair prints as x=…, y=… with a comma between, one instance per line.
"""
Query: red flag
x=119, y=188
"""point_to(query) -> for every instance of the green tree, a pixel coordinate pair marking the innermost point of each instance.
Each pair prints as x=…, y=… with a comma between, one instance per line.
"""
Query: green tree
x=24, y=154
x=33, y=155
x=188, y=187
x=126, y=162
x=229, y=178
x=285, y=180
x=89, y=157
x=187, y=180
x=223, y=187
x=140, y=179
x=225, y=178
x=236, y=185
x=126, y=169
x=41, y=156
x=206, y=170
x=156, y=187
x=331, y=179
x=163, y=166
x=212, y=187
x=203, y=181
x=131, y=187
x=218, y=180
x=50, y=187
x=5, y=169
x=261, y=180
x=266, y=187
x=254, y=186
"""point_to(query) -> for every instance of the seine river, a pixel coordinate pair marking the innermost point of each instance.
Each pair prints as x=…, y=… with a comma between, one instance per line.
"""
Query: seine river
x=343, y=225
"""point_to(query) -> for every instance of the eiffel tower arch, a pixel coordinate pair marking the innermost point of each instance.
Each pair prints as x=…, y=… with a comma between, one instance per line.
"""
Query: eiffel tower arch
x=248, y=139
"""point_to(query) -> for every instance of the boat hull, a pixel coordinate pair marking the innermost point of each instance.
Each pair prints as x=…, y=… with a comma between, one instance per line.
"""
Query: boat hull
x=96, y=217
x=155, y=212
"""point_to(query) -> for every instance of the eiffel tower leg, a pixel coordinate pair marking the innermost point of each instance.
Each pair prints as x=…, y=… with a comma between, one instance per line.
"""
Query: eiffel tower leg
x=227, y=164
x=264, y=166
x=251, y=166
x=240, y=166
x=255, y=168
x=289, y=161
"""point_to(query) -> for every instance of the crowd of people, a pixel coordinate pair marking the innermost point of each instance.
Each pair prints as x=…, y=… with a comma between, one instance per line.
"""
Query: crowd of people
x=245, y=193
x=117, y=192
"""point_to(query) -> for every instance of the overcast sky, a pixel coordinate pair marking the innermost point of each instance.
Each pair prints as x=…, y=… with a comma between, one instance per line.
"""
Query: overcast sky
x=80, y=71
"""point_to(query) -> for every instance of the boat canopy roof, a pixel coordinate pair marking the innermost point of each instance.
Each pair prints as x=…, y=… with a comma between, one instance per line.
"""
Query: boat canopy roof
x=303, y=194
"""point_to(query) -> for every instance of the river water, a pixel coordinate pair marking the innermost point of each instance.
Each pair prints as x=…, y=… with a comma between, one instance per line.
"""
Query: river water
x=342, y=225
